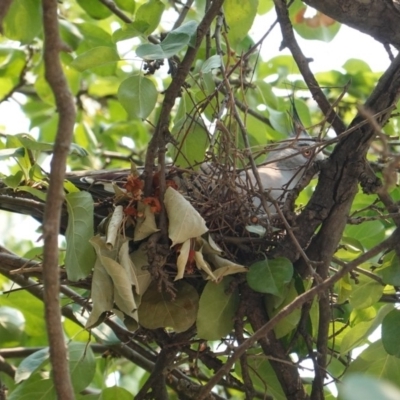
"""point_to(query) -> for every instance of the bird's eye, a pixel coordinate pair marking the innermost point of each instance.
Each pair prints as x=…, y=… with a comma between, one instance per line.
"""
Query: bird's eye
x=307, y=153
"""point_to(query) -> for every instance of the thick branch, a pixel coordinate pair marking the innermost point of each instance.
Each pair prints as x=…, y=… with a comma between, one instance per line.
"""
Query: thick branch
x=380, y=19
x=51, y=227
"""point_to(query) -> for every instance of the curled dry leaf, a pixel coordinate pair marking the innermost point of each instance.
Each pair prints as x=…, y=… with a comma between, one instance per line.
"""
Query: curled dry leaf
x=224, y=267
x=114, y=226
x=102, y=294
x=143, y=276
x=184, y=221
x=182, y=259
x=121, y=278
x=203, y=265
x=145, y=225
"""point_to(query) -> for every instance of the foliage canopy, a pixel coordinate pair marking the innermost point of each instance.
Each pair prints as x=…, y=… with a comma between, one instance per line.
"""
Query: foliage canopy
x=163, y=295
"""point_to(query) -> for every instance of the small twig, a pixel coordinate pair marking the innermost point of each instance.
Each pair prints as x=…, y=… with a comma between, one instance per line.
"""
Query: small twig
x=110, y=4
x=302, y=62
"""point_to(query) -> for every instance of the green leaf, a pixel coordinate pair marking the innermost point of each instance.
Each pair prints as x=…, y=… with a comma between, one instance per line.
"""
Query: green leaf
x=127, y=5
x=390, y=269
x=212, y=63
x=318, y=27
x=96, y=57
x=270, y=276
x=368, y=233
x=32, y=310
x=158, y=310
x=23, y=21
x=115, y=392
x=358, y=334
x=390, y=333
x=354, y=66
x=360, y=386
x=193, y=141
x=30, y=143
x=217, y=308
x=138, y=95
x=365, y=293
x=95, y=8
x=239, y=16
x=171, y=45
x=262, y=375
x=376, y=362
x=128, y=31
x=30, y=364
x=82, y=365
x=12, y=325
x=150, y=13
x=80, y=257
x=34, y=192
x=13, y=181
x=36, y=388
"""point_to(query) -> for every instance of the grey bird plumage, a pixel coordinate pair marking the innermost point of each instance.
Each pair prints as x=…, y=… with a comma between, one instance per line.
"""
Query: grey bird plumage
x=283, y=169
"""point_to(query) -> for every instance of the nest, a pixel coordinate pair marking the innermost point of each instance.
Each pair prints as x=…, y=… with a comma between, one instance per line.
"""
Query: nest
x=225, y=201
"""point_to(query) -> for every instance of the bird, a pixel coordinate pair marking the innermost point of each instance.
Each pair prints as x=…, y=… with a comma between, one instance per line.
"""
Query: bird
x=285, y=165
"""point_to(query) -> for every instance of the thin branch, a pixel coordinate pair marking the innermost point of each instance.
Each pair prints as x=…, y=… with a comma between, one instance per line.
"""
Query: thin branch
x=302, y=62
x=159, y=138
x=392, y=241
x=55, y=77
x=110, y=4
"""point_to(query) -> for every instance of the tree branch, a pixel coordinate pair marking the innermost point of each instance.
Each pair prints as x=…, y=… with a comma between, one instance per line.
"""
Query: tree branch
x=377, y=18
x=55, y=77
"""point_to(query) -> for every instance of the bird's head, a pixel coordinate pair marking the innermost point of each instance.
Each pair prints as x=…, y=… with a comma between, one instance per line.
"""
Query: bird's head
x=295, y=152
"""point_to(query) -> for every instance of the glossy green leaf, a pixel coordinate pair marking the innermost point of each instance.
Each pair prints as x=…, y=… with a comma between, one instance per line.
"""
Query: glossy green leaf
x=376, y=362
x=390, y=269
x=96, y=57
x=239, y=16
x=23, y=21
x=95, y=8
x=365, y=293
x=36, y=388
x=390, y=333
x=115, y=392
x=30, y=364
x=270, y=276
x=127, y=5
x=82, y=365
x=159, y=310
x=193, y=140
x=129, y=31
x=12, y=325
x=80, y=257
x=217, y=307
x=171, y=45
x=138, y=95
x=358, y=334
x=211, y=63
x=263, y=376
x=360, y=386
x=369, y=233
x=150, y=13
